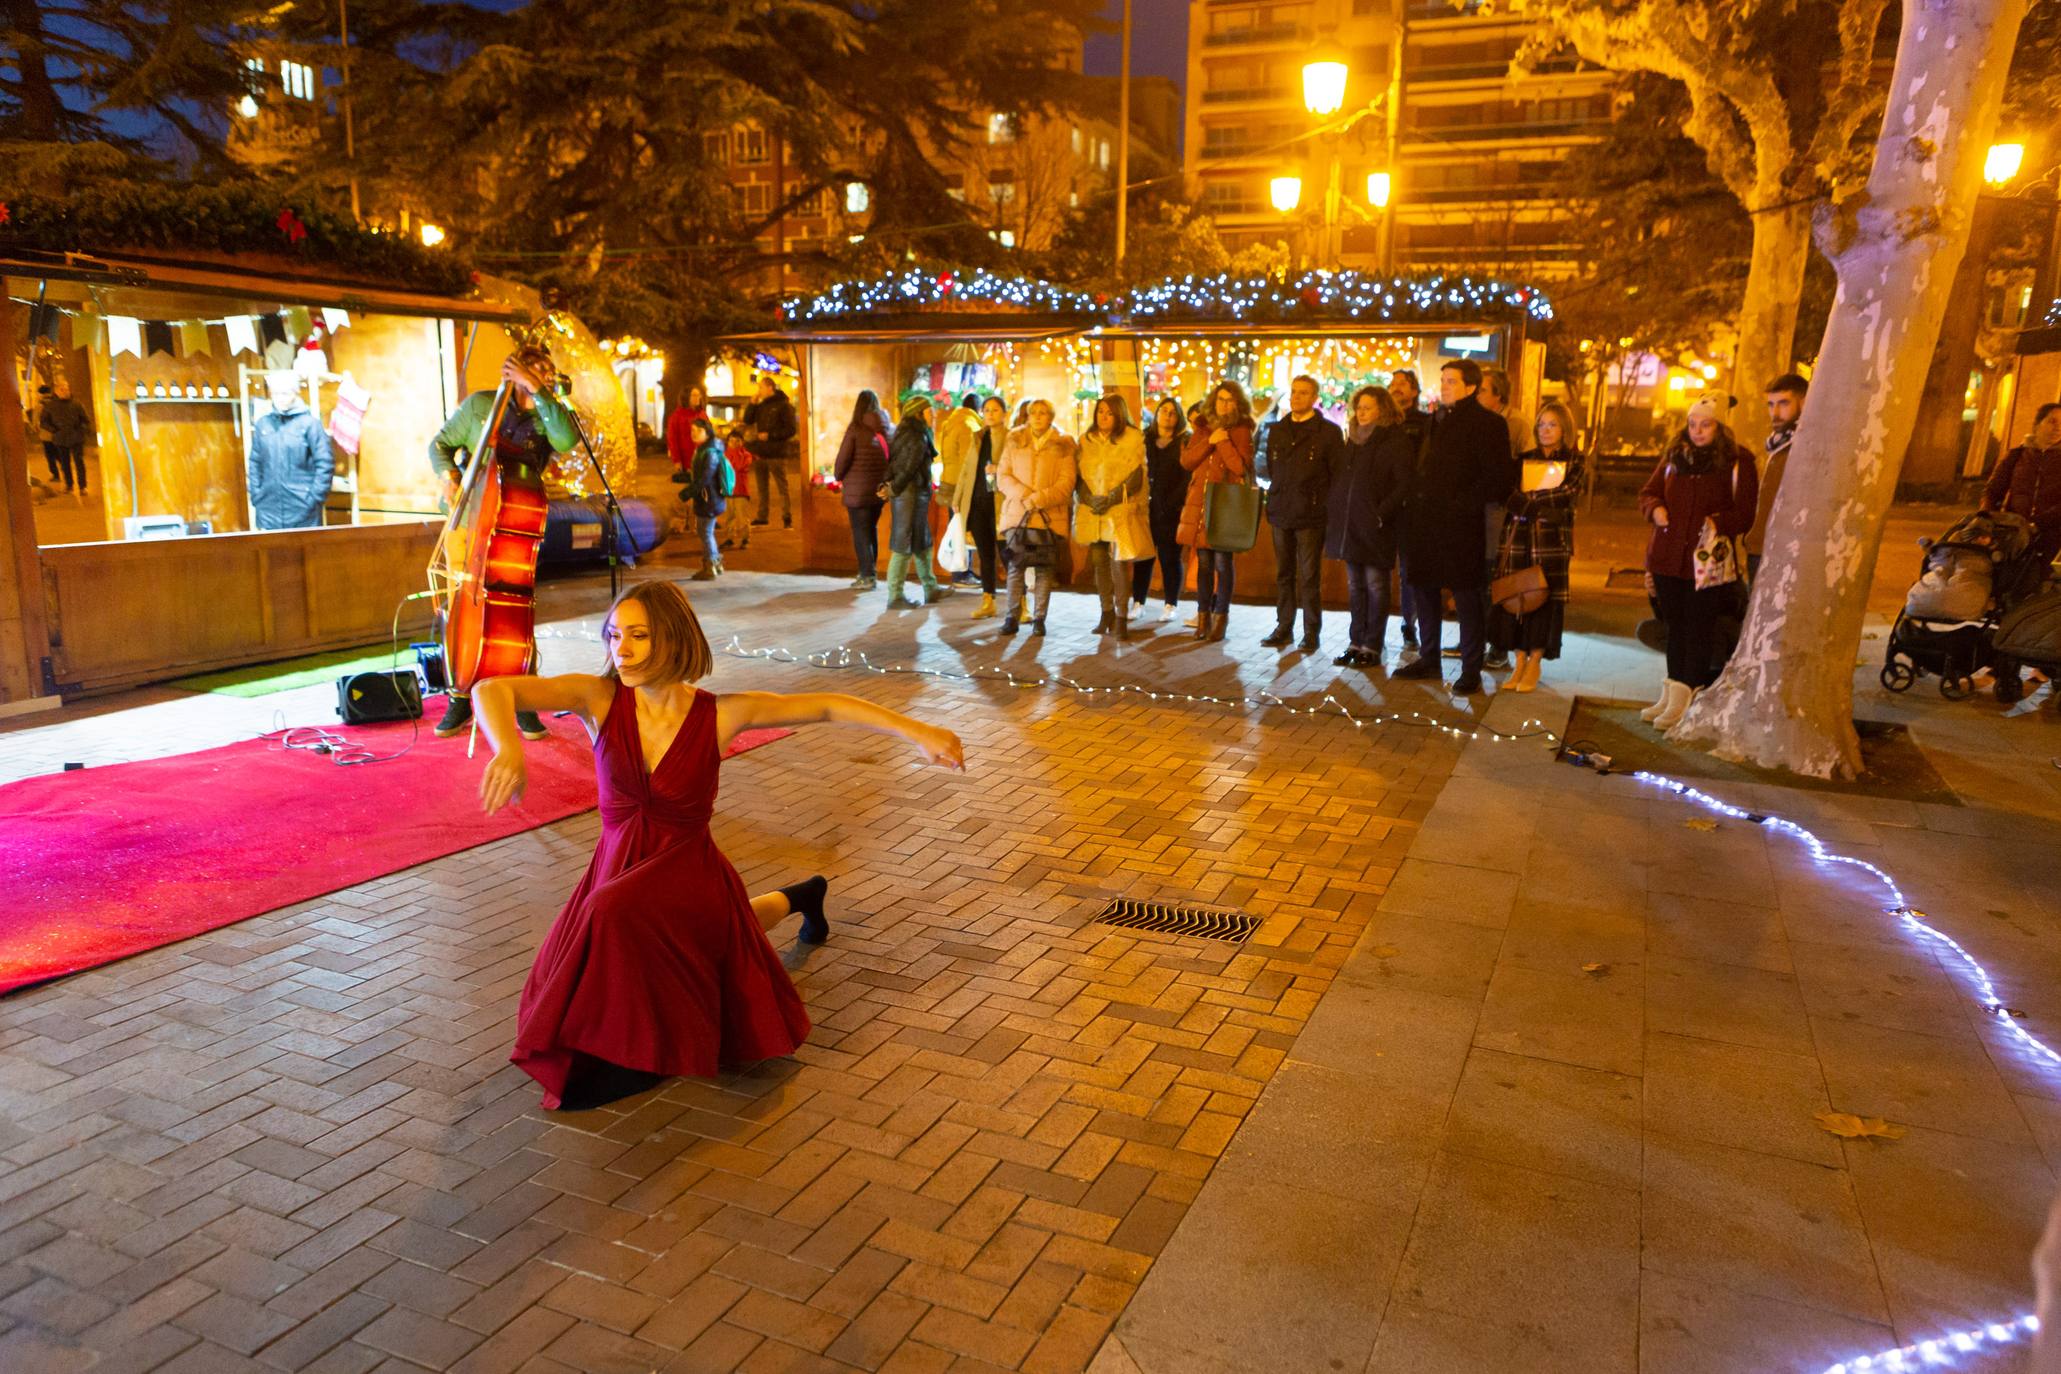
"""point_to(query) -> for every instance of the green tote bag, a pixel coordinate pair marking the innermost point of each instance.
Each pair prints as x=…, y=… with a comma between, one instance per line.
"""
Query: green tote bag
x=1231, y=514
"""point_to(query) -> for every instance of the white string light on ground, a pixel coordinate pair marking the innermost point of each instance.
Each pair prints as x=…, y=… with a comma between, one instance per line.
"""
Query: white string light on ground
x=1939, y=1351
x=846, y=659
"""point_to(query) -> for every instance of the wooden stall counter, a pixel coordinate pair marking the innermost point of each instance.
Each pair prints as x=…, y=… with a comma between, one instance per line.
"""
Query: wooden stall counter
x=150, y=610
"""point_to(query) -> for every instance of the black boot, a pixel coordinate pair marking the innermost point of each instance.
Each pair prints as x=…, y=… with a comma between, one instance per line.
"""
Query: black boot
x=1038, y=626
x=457, y=716
x=807, y=899
x=1106, y=623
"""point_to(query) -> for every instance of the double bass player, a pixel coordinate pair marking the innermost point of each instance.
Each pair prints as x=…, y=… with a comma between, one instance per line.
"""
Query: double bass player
x=535, y=430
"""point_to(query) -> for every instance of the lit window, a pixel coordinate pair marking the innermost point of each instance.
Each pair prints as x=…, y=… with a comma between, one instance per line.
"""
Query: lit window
x=1007, y=238
x=857, y=198
x=297, y=79
x=716, y=146
x=256, y=64
x=751, y=146
x=1001, y=128
x=1077, y=138
x=1073, y=199
x=1001, y=192
x=1104, y=155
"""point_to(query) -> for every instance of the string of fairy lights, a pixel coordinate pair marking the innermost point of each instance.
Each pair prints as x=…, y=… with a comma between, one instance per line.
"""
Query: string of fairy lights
x=1939, y=1350
x=1304, y=295
x=844, y=658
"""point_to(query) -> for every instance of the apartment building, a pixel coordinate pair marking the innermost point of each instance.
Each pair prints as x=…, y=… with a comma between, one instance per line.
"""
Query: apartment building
x=1476, y=185
x=1020, y=177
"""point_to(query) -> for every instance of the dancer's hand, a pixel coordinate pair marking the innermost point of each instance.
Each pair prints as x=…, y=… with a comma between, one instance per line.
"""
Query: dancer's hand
x=938, y=745
x=504, y=781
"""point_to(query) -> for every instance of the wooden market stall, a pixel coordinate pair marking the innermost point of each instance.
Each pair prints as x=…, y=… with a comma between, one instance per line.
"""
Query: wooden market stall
x=177, y=358
x=944, y=335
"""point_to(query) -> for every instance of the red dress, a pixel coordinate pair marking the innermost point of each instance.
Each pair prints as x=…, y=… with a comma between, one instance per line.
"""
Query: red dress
x=657, y=962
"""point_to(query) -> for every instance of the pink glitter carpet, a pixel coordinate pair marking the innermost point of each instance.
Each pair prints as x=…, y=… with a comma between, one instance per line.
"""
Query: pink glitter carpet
x=103, y=863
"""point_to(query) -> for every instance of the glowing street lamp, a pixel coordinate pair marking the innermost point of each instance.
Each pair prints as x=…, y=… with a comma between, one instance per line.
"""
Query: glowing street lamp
x=1285, y=192
x=1378, y=187
x=431, y=235
x=2003, y=162
x=1323, y=86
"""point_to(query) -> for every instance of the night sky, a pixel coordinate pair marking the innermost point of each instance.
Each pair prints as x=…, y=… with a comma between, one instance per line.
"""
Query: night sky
x=1159, y=40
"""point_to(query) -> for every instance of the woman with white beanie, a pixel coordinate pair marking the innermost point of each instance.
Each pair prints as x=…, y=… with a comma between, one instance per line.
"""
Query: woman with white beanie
x=1704, y=480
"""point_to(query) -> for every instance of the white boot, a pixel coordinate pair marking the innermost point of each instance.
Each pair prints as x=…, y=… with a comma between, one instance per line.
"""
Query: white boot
x=1659, y=704
x=1680, y=694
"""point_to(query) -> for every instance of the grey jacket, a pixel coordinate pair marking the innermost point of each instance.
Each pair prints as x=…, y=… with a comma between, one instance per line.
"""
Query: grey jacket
x=291, y=467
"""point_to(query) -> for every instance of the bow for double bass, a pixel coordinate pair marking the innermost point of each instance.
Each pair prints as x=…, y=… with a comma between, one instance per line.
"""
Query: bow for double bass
x=483, y=571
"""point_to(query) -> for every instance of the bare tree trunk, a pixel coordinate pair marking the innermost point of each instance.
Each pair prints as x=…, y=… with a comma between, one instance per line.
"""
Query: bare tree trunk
x=38, y=114
x=1786, y=698
x=1767, y=317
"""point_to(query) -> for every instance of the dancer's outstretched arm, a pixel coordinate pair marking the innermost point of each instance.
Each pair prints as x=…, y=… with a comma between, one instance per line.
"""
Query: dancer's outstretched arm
x=494, y=704
x=743, y=711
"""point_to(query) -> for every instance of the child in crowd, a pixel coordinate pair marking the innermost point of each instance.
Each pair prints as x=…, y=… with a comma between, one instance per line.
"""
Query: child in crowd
x=737, y=519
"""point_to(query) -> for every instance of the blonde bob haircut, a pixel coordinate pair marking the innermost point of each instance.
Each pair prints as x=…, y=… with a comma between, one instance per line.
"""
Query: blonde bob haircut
x=679, y=650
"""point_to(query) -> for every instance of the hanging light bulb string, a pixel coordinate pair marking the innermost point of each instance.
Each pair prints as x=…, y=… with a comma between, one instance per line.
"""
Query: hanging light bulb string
x=844, y=658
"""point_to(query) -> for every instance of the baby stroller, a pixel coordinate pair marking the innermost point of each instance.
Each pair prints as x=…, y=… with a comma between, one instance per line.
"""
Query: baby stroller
x=1979, y=569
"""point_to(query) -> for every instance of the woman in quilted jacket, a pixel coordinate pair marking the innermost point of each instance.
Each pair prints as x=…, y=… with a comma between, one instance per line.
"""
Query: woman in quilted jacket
x=1040, y=467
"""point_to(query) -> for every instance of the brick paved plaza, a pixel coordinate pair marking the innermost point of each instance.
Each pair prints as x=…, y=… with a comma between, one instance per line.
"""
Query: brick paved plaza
x=1519, y=1072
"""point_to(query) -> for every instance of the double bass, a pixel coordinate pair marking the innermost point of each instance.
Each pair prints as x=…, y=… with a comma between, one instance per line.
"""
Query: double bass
x=483, y=571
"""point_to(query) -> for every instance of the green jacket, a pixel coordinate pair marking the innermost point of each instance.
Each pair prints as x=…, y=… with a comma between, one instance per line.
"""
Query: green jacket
x=542, y=431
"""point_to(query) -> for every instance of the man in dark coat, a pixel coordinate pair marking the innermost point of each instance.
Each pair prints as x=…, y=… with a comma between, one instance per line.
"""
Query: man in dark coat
x=1403, y=387
x=770, y=423
x=1302, y=451
x=1466, y=454
x=66, y=430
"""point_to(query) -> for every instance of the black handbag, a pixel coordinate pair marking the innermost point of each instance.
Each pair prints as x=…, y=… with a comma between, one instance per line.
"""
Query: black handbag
x=1033, y=548
x=362, y=698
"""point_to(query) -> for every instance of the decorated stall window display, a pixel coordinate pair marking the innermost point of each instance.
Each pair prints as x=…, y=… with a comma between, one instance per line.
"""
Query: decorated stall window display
x=952, y=379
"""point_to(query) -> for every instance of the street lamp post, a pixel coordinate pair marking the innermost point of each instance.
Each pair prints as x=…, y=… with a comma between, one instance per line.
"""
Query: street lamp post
x=1324, y=81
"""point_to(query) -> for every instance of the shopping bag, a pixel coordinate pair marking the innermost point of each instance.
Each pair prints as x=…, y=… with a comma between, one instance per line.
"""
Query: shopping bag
x=954, y=553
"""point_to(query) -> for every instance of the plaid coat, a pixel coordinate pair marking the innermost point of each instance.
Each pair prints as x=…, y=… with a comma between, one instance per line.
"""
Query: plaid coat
x=1538, y=528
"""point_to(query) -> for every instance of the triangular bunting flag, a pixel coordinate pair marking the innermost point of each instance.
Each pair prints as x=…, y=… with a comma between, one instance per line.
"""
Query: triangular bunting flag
x=243, y=334
x=193, y=338
x=124, y=335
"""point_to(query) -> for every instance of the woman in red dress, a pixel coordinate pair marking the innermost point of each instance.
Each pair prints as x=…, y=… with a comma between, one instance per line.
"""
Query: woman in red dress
x=659, y=965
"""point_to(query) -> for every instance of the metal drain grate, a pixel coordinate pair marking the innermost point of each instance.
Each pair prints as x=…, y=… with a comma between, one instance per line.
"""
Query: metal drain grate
x=1206, y=923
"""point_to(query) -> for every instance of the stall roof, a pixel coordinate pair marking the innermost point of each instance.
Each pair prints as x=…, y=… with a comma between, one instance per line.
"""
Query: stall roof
x=228, y=281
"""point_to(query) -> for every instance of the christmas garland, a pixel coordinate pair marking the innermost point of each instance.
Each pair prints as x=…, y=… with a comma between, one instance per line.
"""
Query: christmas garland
x=1307, y=296
x=217, y=220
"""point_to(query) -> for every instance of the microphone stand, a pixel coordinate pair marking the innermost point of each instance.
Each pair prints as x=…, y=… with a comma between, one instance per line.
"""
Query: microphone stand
x=612, y=510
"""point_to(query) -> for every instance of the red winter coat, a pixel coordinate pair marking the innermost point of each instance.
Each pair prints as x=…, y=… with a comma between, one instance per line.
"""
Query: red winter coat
x=2028, y=482
x=1726, y=494
x=680, y=443
x=1230, y=461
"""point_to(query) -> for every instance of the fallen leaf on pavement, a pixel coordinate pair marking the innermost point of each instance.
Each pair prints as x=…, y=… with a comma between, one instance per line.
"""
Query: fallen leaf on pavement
x=1851, y=1127
x=1599, y=970
x=1700, y=823
x=1385, y=951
